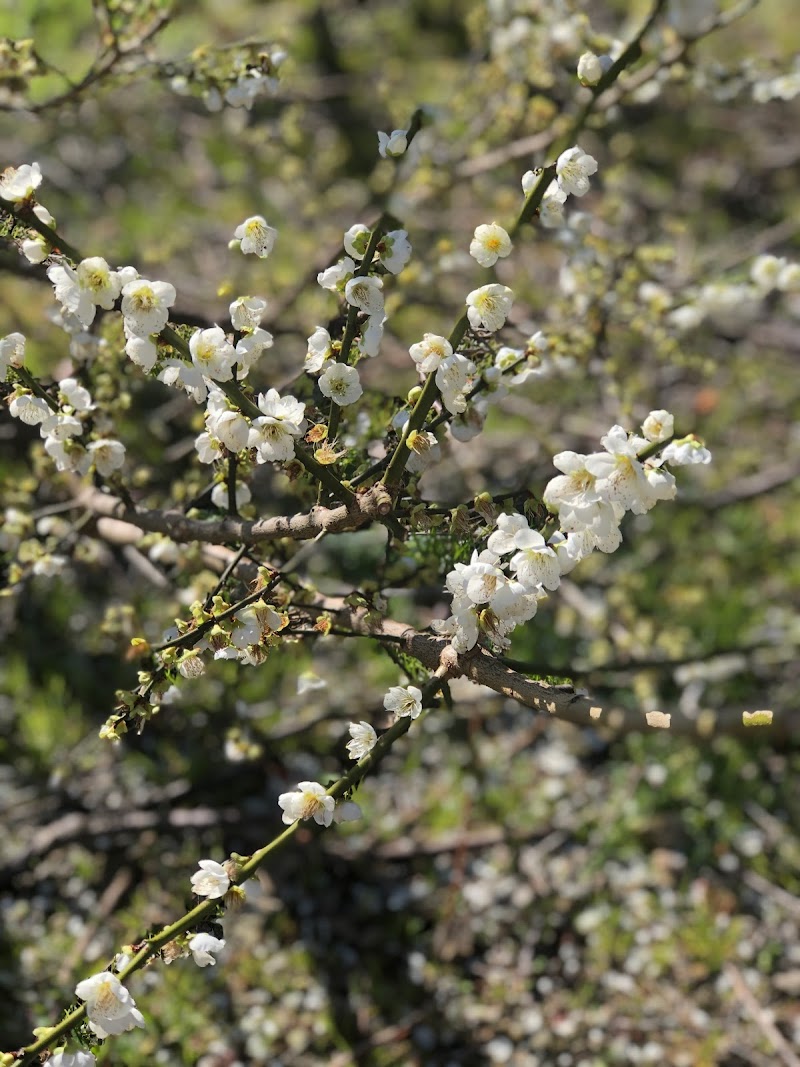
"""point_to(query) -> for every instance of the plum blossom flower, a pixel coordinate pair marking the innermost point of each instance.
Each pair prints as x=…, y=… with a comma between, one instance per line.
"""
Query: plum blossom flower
x=334, y=277
x=145, y=306
x=488, y=307
x=255, y=236
x=12, y=352
x=109, y=1006
x=341, y=383
x=202, y=946
x=502, y=540
x=658, y=425
x=452, y=378
x=107, y=455
x=142, y=352
x=535, y=563
x=429, y=353
x=688, y=450
x=365, y=294
x=356, y=240
x=392, y=145
x=211, y=881
x=573, y=168
x=319, y=349
x=273, y=434
x=308, y=800
x=622, y=476
x=19, y=183
x=395, y=250
x=212, y=353
x=247, y=311
x=72, y=1059
x=362, y=739
x=590, y=69
x=404, y=700
x=490, y=243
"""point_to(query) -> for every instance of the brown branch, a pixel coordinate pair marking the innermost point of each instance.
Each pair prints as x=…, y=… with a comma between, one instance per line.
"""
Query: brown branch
x=560, y=701
x=131, y=523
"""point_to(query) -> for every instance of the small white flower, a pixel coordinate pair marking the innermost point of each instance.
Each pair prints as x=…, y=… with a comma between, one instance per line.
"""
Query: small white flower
x=689, y=450
x=348, y=811
x=356, y=240
x=255, y=236
x=429, y=353
x=219, y=496
x=573, y=168
x=365, y=294
x=424, y=450
x=184, y=376
x=99, y=281
x=74, y=299
x=308, y=800
x=658, y=425
x=452, y=378
x=78, y=397
x=363, y=739
x=590, y=69
x=404, y=700
x=369, y=340
x=72, y=1059
x=29, y=409
x=308, y=682
x=273, y=435
x=145, y=306
x=334, y=277
x=246, y=312
x=18, y=183
x=212, y=353
x=488, y=307
x=392, y=145
x=12, y=352
x=395, y=250
x=229, y=427
x=211, y=880
x=142, y=352
x=107, y=455
x=341, y=383
x=250, y=347
x=490, y=243
x=109, y=1006
x=502, y=540
x=201, y=947
x=319, y=349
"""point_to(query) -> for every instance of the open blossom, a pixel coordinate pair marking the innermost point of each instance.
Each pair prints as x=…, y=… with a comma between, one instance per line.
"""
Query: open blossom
x=319, y=349
x=107, y=455
x=202, y=946
x=273, y=434
x=29, y=409
x=142, y=352
x=356, y=240
x=185, y=376
x=490, y=243
x=110, y=1008
x=452, y=378
x=502, y=540
x=430, y=352
x=72, y=1059
x=211, y=880
x=686, y=451
x=573, y=168
x=658, y=425
x=255, y=236
x=369, y=340
x=362, y=739
x=404, y=700
x=334, y=277
x=622, y=477
x=212, y=353
x=392, y=145
x=395, y=250
x=365, y=294
x=247, y=311
x=488, y=307
x=18, y=183
x=12, y=352
x=309, y=800
x=145, y=306
x=73, y=298
x=101, y=283
x=535, y=563
x=341, y=383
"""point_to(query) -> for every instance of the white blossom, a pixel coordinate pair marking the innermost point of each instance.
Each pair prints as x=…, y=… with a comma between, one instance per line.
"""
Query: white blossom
x=99, y=281
x=452, y=378
x=319, y=349
x=369, y=340
x=590, y=69
x=185, y=376
x=395, y=250
x=145, y=306
x=429, y=353
x=535, y=563
x=219, y=496
x=658, y=425
x=273, y=434
x=488, y=307
x=72, y=1059
x=202, y=946
x=211, y=881
x=334, y=277
x=362, y=739
x=12, y=352
x=341, y=383
x=255, y=236
x=573, y=168
x=212, y=353
x=247, y=311
x=106, y=455
x=356, y=240
x=110, y=1008
x=29, y=409
x=73, y=298
x=404, y=700
x=392, y=145
x=490, y=243
x=142, y=352
x=75, y=395
x=249, y=348
x=508, y=526
x=365, y=294
x=308, y=800
x=688, y=450
x=18, y=183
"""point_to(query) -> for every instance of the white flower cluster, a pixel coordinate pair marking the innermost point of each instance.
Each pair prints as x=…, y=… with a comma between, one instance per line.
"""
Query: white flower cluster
x=244, y=637
x=492, y=595
x=573, y=170
x=60, y=428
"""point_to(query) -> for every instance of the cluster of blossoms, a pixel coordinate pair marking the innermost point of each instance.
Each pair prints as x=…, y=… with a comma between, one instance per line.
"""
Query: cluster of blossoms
x=501, y=586
x=364, y=292
x=250, y=78
x=61, y=424
x=246, y=636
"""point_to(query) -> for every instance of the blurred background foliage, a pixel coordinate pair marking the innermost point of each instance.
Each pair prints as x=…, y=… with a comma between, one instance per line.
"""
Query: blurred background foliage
x=518, y=891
